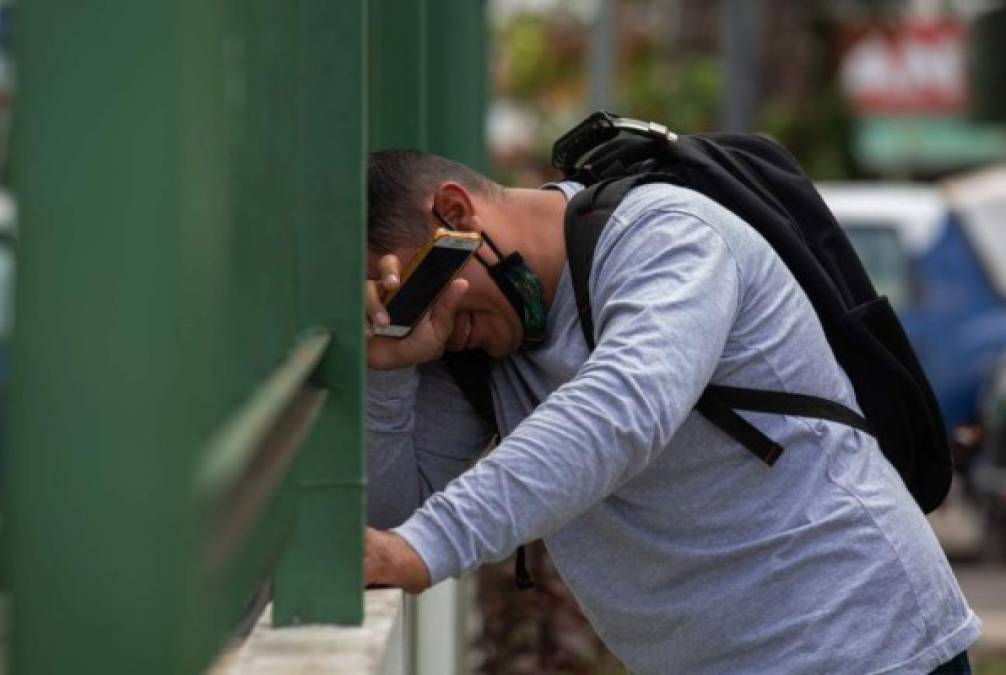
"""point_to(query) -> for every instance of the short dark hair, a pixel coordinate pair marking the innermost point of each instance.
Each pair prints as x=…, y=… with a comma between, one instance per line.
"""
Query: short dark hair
x=399, y=183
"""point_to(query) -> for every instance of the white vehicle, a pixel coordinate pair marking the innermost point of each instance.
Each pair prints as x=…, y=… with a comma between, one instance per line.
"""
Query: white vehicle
x=889, y=225
x=939, y=253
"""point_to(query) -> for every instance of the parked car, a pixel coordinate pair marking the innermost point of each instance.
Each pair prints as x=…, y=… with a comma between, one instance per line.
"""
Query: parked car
x=981, y=201
x=989, y=472
x=937, y=253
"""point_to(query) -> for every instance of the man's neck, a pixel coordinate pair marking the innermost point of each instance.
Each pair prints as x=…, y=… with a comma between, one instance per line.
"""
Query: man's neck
x=537, y=222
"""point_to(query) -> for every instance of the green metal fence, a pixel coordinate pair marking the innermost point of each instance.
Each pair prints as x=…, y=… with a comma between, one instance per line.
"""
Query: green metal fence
x=188, y=360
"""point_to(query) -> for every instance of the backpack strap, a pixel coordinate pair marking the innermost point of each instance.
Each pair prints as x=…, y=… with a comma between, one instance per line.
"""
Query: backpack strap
x=470, y=369
x=587, y=214
x=723, y=415
x=719, y=404
x=786, y=403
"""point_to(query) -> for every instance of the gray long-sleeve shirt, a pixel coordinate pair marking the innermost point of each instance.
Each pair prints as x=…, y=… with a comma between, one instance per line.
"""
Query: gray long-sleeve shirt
x=687, y=553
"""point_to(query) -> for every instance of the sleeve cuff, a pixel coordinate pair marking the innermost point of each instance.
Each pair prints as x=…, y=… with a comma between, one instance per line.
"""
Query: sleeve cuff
x=431, y=545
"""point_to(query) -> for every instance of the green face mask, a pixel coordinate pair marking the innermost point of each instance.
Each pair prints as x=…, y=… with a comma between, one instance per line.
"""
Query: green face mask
x=520, y=286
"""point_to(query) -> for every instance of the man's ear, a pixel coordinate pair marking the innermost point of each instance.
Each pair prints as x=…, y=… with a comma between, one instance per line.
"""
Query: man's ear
x=454, y=203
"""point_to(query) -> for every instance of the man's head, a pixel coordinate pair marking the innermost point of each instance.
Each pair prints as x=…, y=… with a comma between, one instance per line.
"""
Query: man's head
x=401, y=189
x=405, y=189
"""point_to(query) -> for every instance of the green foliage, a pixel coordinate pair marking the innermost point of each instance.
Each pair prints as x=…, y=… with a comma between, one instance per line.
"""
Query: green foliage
x=684, y=94
x=541, y=65
x=815, y=129
x=539, y=58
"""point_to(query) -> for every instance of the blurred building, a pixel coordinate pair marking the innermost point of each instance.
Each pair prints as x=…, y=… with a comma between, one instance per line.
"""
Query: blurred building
x=855, y=88
x=907, y=76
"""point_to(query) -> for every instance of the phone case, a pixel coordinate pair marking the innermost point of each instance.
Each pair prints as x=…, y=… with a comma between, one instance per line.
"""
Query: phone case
x=442, y=238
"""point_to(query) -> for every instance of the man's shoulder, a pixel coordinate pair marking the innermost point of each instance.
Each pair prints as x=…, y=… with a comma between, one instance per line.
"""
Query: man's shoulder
x=672, y=198
x=663, y=212
x=644, y=199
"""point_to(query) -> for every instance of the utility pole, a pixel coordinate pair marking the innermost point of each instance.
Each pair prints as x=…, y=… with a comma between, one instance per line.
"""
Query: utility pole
x=603, y=33
x=740, y=42
x=988, y=62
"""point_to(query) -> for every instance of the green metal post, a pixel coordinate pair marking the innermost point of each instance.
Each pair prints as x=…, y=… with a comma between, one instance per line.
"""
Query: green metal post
x=988, y=64
x=102, y=435
x=320, y=578
x=458, y=92
x=398, y=77
x=190, y=182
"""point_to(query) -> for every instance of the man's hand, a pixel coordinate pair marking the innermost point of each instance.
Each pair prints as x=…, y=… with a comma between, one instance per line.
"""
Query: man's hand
x=388, y=560
x=426, y=341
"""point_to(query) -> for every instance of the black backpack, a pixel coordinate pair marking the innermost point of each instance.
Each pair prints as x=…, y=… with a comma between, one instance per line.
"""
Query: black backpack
x=760, y=182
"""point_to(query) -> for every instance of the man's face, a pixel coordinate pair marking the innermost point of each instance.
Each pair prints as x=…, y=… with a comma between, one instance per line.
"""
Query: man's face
x=484, y=318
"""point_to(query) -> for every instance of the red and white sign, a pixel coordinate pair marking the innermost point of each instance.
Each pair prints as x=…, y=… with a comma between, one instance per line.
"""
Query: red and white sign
x=917, y=66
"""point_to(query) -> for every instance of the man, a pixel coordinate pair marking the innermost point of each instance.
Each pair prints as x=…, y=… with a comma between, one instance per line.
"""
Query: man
x=687, y=553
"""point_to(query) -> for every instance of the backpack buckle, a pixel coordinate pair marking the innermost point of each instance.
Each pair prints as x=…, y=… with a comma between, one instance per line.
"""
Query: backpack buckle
x=655, y=129
x=575, y=145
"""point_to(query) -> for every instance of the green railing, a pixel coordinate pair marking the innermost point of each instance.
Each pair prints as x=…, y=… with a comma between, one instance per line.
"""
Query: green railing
x=186, y=427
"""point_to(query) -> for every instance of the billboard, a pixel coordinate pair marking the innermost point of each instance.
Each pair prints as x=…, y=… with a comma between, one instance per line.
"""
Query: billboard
x=908, y=84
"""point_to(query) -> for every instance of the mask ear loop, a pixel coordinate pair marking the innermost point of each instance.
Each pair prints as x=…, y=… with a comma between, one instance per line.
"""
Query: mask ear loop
x=485, y=238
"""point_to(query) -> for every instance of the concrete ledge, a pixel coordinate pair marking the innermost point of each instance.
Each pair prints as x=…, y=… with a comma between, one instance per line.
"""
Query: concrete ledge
x=378, y=647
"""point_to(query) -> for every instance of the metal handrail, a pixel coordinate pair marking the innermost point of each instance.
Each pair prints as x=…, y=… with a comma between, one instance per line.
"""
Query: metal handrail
x=252, y=451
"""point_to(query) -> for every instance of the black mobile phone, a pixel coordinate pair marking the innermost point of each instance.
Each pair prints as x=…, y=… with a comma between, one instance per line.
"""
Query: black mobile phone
x=425, y=278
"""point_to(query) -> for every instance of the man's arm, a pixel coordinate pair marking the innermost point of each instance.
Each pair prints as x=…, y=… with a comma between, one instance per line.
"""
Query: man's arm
x=421, y=433
x=666, y=291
